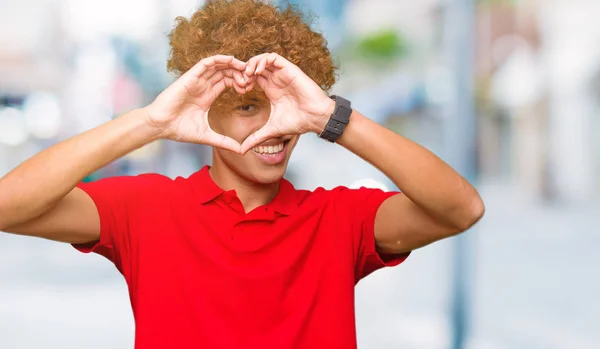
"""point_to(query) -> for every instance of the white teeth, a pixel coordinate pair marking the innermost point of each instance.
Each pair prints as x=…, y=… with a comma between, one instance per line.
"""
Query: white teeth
x=270, y=149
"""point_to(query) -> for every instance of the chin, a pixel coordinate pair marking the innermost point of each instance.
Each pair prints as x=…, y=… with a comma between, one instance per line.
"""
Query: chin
x=248, y=168
x=267, y=175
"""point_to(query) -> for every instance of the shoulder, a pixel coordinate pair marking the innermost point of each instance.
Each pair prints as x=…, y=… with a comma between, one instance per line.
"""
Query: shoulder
x=340, y=196
x=337, y=192
x=146, y=181
x=154, y=178
x=135, y=185
x=344, y=198
x=144, y=178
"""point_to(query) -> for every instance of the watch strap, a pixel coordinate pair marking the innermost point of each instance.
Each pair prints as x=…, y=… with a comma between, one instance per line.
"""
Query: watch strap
x=338, y=120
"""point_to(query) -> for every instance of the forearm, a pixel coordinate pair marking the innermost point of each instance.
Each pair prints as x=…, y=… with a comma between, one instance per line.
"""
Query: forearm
x=39, y=183
x=424, y=178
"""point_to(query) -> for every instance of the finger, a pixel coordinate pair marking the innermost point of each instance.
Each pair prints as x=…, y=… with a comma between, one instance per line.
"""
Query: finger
x=258, y=137
x=267, y=73
x=277, y=61
x=216, y=77
x=239, y=78
x=231, y=83
x=262, y=82
x=252, y=63
x=261, y=66
x=210, y=71
x=221, y=66
x=214, y=139
x=217, y=61
x=200, y=68
x=263, y=79
x=250, y=84
x=234, y=79
x=271, y=58
x=237, y=64
x=227, y=61
x=229, y=73
x=218, y=88
x=224, y=83
x=241, y=89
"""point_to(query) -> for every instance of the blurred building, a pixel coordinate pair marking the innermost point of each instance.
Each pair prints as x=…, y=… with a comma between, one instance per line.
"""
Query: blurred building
x=536, y=64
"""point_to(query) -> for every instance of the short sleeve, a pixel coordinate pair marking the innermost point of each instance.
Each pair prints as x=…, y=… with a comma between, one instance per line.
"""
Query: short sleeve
x=362, y=204
x=118, y=200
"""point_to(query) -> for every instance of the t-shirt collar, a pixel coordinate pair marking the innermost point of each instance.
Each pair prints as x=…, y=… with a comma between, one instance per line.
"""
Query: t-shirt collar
x=207, y=190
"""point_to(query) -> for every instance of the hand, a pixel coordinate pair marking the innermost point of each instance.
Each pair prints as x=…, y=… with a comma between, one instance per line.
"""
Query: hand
x=298, y=104
x=180, y=112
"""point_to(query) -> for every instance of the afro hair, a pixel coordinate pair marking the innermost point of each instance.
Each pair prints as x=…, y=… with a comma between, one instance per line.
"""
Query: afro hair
x=246, y=28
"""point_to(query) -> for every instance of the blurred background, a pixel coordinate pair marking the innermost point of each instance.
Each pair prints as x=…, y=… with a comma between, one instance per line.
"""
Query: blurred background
x=507, y=91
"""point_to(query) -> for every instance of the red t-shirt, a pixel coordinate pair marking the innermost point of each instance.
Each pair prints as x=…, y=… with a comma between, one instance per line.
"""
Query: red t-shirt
x=203, y=274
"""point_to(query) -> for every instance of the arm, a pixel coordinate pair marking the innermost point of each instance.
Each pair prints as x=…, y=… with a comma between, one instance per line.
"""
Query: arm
x=435, y=203
x=40, y=197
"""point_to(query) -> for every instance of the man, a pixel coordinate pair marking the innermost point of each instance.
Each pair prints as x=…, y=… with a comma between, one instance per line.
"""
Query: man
x=234, y=256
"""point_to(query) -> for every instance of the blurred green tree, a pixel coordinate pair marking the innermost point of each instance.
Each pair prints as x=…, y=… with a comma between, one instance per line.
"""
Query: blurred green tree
x=387, y=44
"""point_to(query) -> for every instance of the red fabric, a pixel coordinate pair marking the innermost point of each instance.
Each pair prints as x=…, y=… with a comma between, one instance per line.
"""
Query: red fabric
x=202, y=274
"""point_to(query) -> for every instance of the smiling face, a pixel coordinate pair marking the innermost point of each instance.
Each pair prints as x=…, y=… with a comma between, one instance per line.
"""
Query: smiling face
x=238, y=117
x=244, y=29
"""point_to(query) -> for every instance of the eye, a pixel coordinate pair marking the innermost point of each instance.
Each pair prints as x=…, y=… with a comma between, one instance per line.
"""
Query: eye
x=247, y=107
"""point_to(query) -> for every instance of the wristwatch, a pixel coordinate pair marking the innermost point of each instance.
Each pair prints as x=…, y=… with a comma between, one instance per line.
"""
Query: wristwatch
x=338, y=120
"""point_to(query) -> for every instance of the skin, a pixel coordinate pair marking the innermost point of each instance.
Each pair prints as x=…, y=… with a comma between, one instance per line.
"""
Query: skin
x=255, y=182
x=39, y=197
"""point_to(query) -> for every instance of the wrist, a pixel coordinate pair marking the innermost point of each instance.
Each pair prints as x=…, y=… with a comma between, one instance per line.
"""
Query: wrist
x=320, y=119
x=155, y=130
x=338, y=120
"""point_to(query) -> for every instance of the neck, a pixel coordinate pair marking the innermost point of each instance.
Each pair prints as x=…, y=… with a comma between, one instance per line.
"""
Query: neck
x=251, y=194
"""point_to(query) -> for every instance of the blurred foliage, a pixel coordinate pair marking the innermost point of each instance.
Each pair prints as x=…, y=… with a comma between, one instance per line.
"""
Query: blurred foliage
x=383, y=45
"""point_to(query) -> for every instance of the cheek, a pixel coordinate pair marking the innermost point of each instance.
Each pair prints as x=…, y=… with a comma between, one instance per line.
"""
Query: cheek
x=216, y=121
x=244, y=126
x=241, y=127
x=228, y=125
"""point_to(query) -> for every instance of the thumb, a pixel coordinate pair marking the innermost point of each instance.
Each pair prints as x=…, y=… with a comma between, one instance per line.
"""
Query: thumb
x=215, y=139
x=258, y=137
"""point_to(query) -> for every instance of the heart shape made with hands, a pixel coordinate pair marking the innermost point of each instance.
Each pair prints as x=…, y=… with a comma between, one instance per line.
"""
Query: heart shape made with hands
x=298, y=104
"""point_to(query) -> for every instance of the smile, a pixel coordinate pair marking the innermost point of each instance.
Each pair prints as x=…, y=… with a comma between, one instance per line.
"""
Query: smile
x=271, y=154
x=269, y=149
